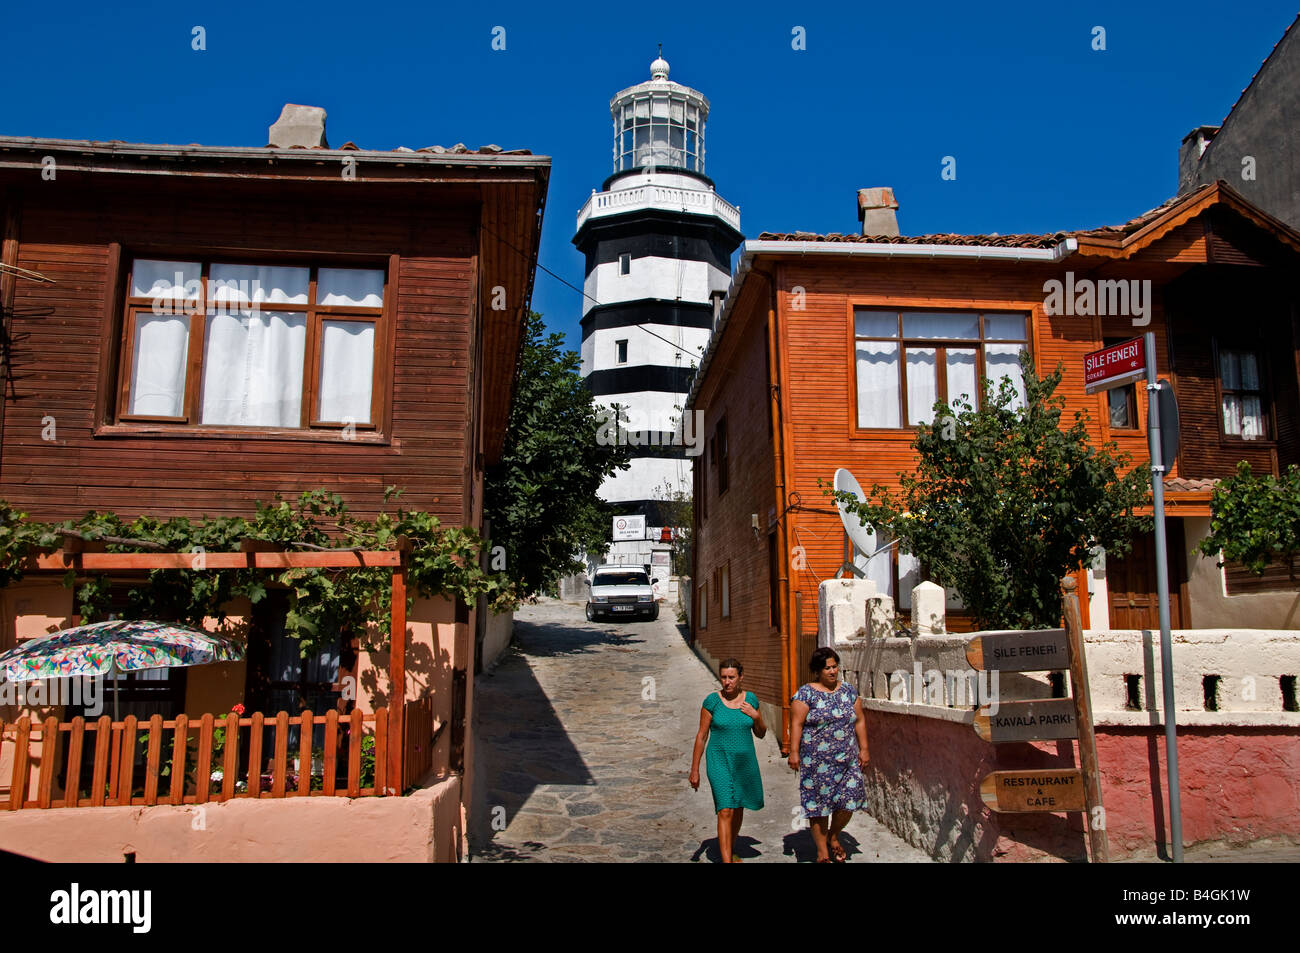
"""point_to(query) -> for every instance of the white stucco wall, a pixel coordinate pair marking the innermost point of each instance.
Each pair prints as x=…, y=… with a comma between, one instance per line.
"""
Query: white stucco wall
x=658, y=344
x=645, y=480
x=653, y=277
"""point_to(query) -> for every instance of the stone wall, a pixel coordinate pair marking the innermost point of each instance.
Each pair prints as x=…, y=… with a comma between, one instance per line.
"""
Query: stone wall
x=1238, y=743
x=498, y=630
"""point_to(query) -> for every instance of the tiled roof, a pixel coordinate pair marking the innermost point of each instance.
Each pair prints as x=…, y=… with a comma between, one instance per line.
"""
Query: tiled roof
x=1009, y=241
x=995, y=241
x=458, y=149
x=1181, y=485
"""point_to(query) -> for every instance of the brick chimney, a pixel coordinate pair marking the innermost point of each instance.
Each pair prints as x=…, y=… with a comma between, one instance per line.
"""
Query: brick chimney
x=302, y=126
x=1190, y=151
x=876, y=208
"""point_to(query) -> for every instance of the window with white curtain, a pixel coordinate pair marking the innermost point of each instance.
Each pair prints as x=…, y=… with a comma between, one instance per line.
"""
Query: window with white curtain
x=1241, y=392
x=221, y=344
x=909, y=360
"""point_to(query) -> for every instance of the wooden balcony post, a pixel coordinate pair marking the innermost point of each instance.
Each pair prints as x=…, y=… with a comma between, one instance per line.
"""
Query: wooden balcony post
x=396, y=777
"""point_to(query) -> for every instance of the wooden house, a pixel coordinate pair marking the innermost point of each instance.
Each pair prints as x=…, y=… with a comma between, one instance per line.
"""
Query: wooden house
x=393, y=287
x=831, y=348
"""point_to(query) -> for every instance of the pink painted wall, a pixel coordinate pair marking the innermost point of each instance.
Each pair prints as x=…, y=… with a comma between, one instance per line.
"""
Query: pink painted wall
x=1238, y=785
x=421, y=827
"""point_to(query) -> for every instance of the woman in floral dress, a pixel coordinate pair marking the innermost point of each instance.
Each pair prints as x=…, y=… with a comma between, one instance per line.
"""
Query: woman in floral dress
x=831, y=753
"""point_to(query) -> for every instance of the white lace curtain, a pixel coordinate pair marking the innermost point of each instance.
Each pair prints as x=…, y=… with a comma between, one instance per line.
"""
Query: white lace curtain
x=253, y=358
x=878, y=362
x=1243, y=414
x=252, y=369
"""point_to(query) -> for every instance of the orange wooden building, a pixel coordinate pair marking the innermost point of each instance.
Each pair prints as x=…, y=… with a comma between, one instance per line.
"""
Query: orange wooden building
x=191, y=329
x=831, y=348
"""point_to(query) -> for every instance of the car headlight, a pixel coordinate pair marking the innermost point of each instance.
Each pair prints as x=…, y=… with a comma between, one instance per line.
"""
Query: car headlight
x=600, y=598
x=648, y=597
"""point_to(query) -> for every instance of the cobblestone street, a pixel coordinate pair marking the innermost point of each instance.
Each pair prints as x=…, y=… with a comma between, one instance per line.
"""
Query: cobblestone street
x=579, y=765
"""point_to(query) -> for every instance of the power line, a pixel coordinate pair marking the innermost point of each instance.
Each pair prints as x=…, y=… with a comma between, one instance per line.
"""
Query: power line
x=581, y=291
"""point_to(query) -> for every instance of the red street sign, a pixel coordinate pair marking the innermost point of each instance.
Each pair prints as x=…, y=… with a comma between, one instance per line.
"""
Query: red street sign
x=1113, y=366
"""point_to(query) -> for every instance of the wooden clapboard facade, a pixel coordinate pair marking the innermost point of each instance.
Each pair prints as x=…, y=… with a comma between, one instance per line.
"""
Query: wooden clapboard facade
x=778, y=388
x=453, y=237
x=446, y=229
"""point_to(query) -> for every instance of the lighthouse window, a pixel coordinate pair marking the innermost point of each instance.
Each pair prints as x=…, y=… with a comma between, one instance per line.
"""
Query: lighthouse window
x=625, y=263
x=658, y=130
x=620, y=348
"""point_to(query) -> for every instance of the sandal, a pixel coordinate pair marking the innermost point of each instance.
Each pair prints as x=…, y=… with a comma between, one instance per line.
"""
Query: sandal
x=838, y=854
x=823, y=860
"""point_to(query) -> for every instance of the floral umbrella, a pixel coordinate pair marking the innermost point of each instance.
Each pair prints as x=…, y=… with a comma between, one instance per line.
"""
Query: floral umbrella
x=103, y=648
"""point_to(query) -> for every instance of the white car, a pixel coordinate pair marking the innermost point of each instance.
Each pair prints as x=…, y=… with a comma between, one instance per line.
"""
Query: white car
x=621, y=592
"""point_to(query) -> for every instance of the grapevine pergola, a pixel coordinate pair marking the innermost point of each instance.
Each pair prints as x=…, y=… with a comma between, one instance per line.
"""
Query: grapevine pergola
x=255, y=554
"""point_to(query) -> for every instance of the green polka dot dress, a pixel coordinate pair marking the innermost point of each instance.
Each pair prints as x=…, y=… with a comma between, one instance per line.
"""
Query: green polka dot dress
x=730, y=760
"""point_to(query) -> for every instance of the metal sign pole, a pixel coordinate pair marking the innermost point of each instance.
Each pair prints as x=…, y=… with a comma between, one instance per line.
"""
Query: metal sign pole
x=1162, y=589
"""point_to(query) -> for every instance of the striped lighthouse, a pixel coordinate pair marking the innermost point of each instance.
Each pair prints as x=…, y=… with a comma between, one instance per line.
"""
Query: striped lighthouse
x=658, y=241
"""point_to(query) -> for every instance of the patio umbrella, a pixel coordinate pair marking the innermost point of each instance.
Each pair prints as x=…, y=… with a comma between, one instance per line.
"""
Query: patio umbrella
x=109, y=648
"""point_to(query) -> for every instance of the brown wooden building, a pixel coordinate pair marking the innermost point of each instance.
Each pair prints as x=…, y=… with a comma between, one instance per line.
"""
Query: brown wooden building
x=831, y=348
x=191, y=329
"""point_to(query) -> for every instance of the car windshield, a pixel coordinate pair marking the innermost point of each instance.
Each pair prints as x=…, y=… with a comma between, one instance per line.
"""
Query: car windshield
x=629, y=578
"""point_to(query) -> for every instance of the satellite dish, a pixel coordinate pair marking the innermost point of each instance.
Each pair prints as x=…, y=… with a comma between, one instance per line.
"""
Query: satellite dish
x=862, y=537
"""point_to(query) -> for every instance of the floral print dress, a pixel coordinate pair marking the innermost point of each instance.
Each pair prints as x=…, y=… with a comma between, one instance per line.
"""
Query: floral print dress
x=829, y=776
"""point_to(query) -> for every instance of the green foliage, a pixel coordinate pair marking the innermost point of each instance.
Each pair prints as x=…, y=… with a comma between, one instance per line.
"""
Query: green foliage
x=323, y=603
x=679, y=512
x=368, y=761
x=1255, y=520
x=1004, y=502
x=19, y=538
x=540, y=499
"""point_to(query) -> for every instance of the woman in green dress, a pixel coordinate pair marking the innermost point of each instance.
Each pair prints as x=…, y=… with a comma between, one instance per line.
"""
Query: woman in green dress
x=729, y=722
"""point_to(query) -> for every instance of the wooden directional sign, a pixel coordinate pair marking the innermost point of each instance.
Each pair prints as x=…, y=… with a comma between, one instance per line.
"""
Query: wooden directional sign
x=1045, y=719
x=1051, y=789
x=1037, y=650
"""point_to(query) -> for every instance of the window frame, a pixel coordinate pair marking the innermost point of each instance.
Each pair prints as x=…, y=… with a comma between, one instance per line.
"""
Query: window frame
x=1130, y=392
x=620, y=351
x=116, y=363
x=1268, y=438
x=940, y=346
x=625, y=263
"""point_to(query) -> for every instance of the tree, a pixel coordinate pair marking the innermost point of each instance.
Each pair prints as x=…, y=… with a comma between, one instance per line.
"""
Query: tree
x=1254, y=520
x=678, y=511
x=1003, y=502
x=541, y=497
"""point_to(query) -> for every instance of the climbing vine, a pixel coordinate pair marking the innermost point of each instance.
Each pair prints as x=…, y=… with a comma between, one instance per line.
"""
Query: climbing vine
x=441, y=561
x=1255, y=520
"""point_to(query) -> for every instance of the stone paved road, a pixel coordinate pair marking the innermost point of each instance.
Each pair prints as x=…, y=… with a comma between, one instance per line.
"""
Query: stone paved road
x=580, y=767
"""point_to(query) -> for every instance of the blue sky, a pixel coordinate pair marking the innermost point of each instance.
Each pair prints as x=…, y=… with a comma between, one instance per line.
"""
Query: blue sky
x=1047, y=133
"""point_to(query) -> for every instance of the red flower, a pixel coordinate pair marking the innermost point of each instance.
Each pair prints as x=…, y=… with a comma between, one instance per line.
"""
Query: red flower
x=238, y=709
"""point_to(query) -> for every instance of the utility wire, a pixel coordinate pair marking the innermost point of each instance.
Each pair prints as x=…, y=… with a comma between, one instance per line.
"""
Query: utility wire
x=581, y=291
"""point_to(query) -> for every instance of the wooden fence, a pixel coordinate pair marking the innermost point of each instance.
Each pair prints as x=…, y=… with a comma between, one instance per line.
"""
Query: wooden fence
x=182, y=761
x=420, y=732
